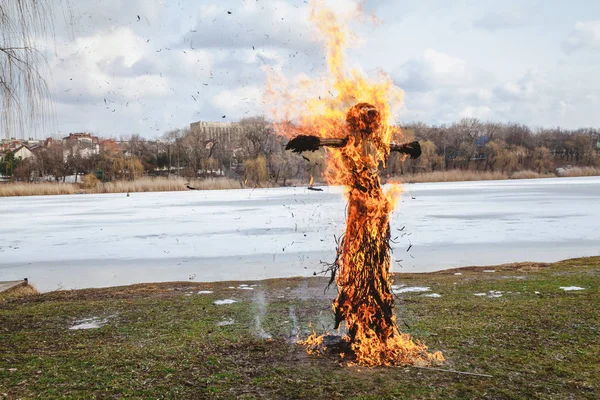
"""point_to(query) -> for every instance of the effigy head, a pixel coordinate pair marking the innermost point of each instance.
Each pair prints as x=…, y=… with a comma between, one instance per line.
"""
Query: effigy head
x=363, y=118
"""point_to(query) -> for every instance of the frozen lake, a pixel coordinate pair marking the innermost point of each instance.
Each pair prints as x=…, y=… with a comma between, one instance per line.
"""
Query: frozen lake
x=78, y=241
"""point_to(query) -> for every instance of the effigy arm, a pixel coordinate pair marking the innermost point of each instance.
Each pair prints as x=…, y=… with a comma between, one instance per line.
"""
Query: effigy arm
x=303, y=143
x=413, y=149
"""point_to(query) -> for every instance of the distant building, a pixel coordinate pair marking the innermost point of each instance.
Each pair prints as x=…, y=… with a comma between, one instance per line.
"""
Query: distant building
x=83, y=144
x=228, y=132
x=22, y=152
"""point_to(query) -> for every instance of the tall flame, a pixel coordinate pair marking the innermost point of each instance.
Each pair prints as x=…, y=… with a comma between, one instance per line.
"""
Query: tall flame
x=345, y=104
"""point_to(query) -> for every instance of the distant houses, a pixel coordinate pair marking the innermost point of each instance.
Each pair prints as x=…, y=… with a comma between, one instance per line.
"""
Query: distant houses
x=84, y=145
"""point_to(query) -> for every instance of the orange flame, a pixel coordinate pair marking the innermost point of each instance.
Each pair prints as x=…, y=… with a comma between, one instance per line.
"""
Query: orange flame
x=345, y=104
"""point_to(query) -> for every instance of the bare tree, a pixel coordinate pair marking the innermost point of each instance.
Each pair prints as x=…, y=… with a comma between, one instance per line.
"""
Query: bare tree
x=24, y=91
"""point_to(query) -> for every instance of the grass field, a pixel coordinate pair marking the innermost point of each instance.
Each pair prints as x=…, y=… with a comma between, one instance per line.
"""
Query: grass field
x=168, y=341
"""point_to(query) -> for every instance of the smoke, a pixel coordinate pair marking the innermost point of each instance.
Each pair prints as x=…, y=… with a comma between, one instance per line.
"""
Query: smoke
x=293, y=338
x=260, y=300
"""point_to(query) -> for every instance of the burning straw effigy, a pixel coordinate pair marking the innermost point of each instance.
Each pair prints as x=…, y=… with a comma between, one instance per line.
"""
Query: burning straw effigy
x=351, y=116
x=365, y=301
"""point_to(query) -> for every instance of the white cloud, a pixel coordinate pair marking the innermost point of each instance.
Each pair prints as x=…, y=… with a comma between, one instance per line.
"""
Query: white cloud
x=271, y=24
x=434, y=69
x=585, y=35
x=156, y=73
x=480, y=112
x=243, y=101
x=509, y=19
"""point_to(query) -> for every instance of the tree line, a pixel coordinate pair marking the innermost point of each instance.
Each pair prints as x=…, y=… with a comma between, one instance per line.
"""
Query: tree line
x=471, y=144
x=252, y=152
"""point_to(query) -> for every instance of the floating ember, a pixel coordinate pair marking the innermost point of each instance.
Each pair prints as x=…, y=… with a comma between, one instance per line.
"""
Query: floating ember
x=352, y=122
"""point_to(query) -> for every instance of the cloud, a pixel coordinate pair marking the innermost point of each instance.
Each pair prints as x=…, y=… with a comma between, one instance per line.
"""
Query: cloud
x=480, y=112
x=270, y=24
x=585, y=35
x=244, y=100
x=187, y=60
x=434, y=69
x=495, y=21
x=526, y=88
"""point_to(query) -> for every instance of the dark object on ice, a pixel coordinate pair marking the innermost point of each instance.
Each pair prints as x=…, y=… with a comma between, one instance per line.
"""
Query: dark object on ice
x=315, y=189
x=191, y=188
x=303, y=143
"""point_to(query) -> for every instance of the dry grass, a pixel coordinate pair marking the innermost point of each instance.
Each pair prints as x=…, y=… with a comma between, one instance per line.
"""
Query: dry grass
x=460, y=175
x=580, y=171
x=166, y=185
x=528, y=174
x=37, y=189
x=18, y=292
x=140, y=185
x=216, y=184
x=454, y=175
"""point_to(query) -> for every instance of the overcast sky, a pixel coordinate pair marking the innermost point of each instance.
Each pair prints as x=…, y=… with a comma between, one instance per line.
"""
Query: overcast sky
x=141, y=66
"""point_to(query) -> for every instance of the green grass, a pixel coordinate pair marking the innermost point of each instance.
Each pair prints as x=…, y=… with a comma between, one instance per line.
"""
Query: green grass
x=160, y=343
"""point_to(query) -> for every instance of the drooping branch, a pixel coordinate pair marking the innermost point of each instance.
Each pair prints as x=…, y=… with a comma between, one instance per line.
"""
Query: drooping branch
x=24, y=92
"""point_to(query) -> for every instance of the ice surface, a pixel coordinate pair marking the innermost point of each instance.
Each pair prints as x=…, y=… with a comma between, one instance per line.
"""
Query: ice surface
x=80, y=241
x=571, y=288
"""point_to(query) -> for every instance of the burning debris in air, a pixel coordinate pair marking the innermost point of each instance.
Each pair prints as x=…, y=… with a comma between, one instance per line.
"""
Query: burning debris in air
x=353, y=123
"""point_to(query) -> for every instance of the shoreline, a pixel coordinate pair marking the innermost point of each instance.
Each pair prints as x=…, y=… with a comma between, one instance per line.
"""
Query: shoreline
x=162, y=184
x=478, y=269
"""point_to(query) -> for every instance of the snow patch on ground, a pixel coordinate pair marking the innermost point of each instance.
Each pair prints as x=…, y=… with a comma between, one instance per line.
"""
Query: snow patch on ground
x=489, y=270
x=458, y=273
x=571, y=288
x=89, y=323
x=205, y=292
x=491, y=294
x=412, y=289
x=226, y=301
x=436, y=295
x=226, y=322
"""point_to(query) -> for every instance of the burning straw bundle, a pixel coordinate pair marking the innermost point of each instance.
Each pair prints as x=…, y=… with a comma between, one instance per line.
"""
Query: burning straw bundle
x=365, y=301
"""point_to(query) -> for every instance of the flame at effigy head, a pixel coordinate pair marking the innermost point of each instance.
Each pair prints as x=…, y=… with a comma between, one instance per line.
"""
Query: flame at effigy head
x=363, y=118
